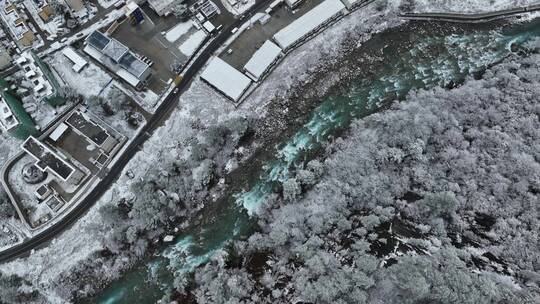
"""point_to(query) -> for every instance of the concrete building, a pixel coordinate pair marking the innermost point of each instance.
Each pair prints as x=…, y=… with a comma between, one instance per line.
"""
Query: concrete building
x=206, y=8
x=78, y=61
x=309, y=23
x=42, y=7
x=118, y=59
x=13, y=117
x=46, y=85
x=43, y=192
x=226, y=79
x=92, y=131
x=16, y=24
x=48, y=160
x=262, y=60
x=161, y=7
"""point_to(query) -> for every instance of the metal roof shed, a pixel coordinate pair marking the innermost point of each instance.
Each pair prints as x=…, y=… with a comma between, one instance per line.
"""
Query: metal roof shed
x=308, y=23
x=226, y=79
x=261, y=61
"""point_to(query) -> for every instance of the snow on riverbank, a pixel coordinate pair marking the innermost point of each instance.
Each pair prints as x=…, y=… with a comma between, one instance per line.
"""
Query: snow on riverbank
x=80, y=244
x=468, y=6
x=85, y=238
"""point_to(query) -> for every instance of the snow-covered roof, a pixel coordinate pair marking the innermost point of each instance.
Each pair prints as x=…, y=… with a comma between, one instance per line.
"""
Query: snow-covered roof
x=226, y=79
x=77, y=59
x=98, y=40
x=115, y=50
x=262, y=59
x=99, y=44
x=308, y=22
x=133, y=64
x=208, y=26
x=192, y=43
x=58, y=132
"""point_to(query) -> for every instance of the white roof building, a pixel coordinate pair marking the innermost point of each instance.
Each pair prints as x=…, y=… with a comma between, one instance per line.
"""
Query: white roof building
x=309, y=22
x=262, y=60
x=58, y=132
x=78, y=60
x=226, y=79
x=208, y=26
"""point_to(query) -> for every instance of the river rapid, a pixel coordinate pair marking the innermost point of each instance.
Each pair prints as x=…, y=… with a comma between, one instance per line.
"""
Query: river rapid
x=386, y=68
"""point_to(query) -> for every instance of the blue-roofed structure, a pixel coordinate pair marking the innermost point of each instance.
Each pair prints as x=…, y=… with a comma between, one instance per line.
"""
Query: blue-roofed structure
x=98, y=40
x=118, y=58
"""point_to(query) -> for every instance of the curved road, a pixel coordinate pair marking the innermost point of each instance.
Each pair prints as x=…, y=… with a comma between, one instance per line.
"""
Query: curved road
x=166, y=107
x=472, y=18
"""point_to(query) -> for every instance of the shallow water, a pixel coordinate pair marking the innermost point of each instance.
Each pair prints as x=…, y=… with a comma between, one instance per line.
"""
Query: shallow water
x=429, y=59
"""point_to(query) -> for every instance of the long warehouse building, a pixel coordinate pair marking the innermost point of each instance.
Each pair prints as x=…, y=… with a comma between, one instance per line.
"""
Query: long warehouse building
x=259, y=64
x=226, y=79
x=308, y=23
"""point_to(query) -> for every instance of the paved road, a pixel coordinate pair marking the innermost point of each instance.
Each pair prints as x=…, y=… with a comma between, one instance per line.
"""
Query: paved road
x=161, y=113
x=472, y=18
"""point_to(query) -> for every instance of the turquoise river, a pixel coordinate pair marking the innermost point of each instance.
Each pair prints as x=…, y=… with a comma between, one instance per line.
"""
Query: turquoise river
x=438, y=58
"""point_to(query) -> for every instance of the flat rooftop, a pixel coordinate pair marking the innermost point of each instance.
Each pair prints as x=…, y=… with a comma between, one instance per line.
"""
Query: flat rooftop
x=47, y=159
x=226, y=79
x=262, y=59
x=12, y=19
x=118, y=53
x=92, y=131
x=307, y=23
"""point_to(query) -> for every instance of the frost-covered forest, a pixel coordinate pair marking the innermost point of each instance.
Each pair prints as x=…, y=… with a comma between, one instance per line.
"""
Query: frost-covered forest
x=433, y=201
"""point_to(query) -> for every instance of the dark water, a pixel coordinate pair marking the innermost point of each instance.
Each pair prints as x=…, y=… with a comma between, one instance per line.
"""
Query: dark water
x=438, y=58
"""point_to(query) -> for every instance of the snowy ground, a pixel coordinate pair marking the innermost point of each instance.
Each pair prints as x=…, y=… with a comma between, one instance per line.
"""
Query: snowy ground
x=46, y=266
x=176, y=32
x=189, y=46
x=117, y=121
x=44, y=113
x=8, y=235
x=469, y=6
x=24, y=190
x=147, y=99
x=91, y=80
x=199, y=101
x=9, y=146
